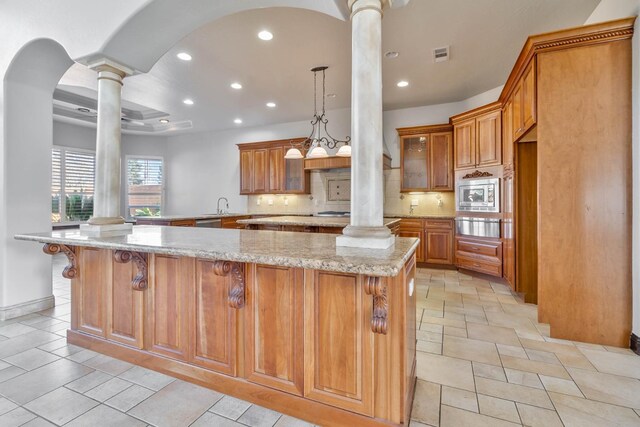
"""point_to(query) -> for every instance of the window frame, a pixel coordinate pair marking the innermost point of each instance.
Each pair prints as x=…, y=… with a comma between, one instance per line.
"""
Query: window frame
x=63, y=174
x=126, y=181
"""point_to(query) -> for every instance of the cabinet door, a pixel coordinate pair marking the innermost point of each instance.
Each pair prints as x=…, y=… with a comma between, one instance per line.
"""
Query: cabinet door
x=529, y=97
x=489, y=145
x=125, y=307
x=259, y=171
x=338, y=341
x=276, y=170
x=274, y=318
x=439, y=246
x=440, y=161
x=417, y=234
x=296, y=179
x=507, y=133
x=508, y=232
x=413, y=163
x=89, y=292
x=246, y=171
x=214, y=334
x=464, y=140
x=518, y=113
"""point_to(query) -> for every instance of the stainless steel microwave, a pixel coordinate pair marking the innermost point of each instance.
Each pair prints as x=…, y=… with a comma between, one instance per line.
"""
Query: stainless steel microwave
x=478, y=195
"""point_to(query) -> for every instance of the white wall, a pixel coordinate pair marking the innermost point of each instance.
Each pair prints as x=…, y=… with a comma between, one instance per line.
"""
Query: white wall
x=608, y=10
x=205, y=166
x=68, y=135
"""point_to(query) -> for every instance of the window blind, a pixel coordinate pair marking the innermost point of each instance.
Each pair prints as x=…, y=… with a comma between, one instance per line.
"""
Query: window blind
x=145, y=181
x=72, y=184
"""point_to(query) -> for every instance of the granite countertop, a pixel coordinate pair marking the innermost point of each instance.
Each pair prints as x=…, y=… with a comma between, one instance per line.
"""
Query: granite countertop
x=310, y=221
x=289, y=249
x=388, y=215
x=180, y=217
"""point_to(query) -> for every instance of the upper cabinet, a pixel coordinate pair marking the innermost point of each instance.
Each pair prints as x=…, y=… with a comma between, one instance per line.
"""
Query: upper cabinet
x=426, y=158
x=264, y=170
x=477, y=137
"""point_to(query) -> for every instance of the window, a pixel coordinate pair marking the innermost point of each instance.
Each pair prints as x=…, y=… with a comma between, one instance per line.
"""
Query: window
x=145, y=182
x=72, y=181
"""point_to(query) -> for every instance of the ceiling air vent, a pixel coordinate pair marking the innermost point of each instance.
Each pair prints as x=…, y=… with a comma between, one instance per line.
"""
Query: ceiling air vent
x=441, y=54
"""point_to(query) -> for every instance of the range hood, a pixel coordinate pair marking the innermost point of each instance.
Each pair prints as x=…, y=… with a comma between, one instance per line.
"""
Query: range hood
x=335, y=162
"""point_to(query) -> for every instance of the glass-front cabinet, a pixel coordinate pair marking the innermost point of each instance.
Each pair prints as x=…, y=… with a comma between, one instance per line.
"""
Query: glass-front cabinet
x=414, y=162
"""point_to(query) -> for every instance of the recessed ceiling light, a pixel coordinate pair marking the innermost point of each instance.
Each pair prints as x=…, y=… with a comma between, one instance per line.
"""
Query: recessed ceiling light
x=265, y=35
x=236, y=85
x=271, y=104
x=184, y=56
x=391, y=54
x=331, y=95
x=402, y=83
x=164, y=121
x=237, y=121
x=188, y=101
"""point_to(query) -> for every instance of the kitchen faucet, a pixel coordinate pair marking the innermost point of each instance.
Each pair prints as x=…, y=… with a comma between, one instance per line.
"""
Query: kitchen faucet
x=219, y=212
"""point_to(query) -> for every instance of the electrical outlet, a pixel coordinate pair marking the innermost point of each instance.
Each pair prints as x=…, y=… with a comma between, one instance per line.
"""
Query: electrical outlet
x=414, y=202
x=270, y=202
x=258, y=201
x=286, y=202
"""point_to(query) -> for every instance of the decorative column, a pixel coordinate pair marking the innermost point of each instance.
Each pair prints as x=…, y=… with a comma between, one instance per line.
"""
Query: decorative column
x=367, y=228
x=106, y=219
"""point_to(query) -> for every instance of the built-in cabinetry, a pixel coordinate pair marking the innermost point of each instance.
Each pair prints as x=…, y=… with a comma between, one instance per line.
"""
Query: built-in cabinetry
x=264, y=170
x=477, y=137
x=426, y=158
x=436, y=238
x=479, y=254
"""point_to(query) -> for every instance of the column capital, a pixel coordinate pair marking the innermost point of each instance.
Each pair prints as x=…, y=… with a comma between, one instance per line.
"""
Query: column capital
x=356, y=6
x=110, y=66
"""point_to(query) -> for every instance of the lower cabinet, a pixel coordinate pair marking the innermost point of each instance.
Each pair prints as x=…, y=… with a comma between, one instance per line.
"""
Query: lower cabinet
x=436, y=239
x=413, y=228
x=483, y=255
x=339, y=342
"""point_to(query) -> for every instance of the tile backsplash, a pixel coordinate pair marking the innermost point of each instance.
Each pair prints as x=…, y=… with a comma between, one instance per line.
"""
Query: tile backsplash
x=318, y=201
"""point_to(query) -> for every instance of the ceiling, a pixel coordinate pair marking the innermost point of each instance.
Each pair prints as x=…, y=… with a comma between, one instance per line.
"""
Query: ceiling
x=485, y=38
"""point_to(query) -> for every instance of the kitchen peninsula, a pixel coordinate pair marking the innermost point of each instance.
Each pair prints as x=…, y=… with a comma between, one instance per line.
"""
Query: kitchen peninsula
x=309, y=224
x=285, y=320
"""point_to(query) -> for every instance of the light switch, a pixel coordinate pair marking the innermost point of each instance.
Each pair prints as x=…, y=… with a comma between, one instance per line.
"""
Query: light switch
x=270, y=202
x=286, y=201
x=258, y=201
x=414, y=202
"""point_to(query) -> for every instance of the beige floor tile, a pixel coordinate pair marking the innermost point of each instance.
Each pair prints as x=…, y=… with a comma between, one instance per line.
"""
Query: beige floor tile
x=10, y=372
x=426, y=403
x=543, y=356
x=257, y=416
x=107, y=364
x=515, y=392
x=608, y=388
x=31, y=359
x=443, y=321
x=146, y=378
x=488, y=371
x=430, y=327
x=528, y=379
x=559, y=385
x=498, y=408
x=38, y=422
x=626, y=351
x=129, y=398
x=454, y=417
x=209, y=419
x=15, y=329
x=457, y=398
x=6, y=405
x=455, y=332
x=178, y=404
x=552, y=347
x=287, y=421
x=510, y=321
x=445, y=371
x=614, y=363
x=104, y=416
x=25, y=342
x=429, y=336
x=575, y=361
x=61, y=405
x=474, y=350
x=511, y=350
x=429, y=347
x=86, y=383
x=533, y=416
x=230, y=407
x=577, y=412
x=107, y=390
x=494, y=334
x=535, y=367
x=15, y=418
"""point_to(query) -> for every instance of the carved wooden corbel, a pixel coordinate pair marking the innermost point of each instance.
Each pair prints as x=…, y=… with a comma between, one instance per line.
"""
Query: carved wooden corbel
x=236, y=293
x=377, y=287
x=139, y=283
x=71, y=270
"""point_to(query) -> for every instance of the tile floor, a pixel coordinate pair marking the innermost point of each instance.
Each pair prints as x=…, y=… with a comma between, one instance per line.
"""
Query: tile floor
x=483, y=360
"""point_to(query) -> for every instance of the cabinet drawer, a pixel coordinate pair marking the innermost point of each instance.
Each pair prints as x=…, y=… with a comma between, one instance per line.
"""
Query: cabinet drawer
x=480, y=265
x=411, y=224
x=184, y=223
x=479, y=248
x=446, y=224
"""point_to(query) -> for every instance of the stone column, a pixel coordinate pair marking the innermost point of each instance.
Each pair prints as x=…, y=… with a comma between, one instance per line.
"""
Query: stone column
x=367, y=228
x=106, y=219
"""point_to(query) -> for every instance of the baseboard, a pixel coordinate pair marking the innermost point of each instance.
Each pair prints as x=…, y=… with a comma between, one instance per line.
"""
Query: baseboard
x=28, y=307
x=635, y=344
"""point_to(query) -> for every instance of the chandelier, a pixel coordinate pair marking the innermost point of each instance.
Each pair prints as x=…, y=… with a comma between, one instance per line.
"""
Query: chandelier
x=316, y=144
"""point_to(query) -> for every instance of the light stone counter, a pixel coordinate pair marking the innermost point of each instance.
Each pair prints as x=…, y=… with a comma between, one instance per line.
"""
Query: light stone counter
x=290, y=249
x=181, y=217
x=310, y=221
x=388, y=215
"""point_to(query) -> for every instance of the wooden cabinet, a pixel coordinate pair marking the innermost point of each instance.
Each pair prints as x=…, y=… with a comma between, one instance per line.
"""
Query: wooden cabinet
x=479, y=254
x=507, y=134
x=232, y=222
x=523, y=98
x=477, y=136
x=438, y=241
x=264, y=170
x=508, y=232
x=338, y=341
x=426, y=158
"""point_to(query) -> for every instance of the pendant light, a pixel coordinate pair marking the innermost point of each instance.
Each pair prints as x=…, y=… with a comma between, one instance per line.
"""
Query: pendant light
x=316, y=144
